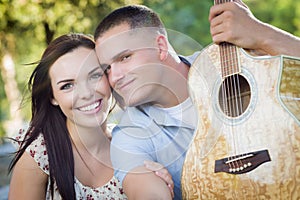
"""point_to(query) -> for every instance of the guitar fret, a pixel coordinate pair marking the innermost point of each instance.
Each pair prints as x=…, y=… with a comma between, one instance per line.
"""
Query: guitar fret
x=229, y=60
x=221, y=1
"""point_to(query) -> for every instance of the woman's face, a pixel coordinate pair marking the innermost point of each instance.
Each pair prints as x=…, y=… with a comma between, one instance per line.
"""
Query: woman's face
x=80, y=88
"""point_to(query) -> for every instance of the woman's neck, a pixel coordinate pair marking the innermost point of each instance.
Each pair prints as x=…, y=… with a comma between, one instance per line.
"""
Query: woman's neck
x=94, y=140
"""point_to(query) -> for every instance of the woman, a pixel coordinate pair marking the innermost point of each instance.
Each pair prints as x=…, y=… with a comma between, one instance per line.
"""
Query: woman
x=65, y=152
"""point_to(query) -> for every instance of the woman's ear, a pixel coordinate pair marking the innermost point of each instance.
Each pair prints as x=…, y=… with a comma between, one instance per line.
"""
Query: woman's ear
x=54, y=102
x=163, y=47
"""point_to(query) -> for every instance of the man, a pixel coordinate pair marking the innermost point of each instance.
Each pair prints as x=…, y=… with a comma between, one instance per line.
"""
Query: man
x=150, y=80
x=159, y=122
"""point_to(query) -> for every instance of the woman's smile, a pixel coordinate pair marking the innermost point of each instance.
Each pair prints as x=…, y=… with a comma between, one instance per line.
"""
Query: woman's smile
x=95, y=106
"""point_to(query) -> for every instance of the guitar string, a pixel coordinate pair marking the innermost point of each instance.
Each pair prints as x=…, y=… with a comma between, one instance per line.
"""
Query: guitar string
x=238, y=96
x=232, y=100
x=229, y=100
x=232, y=93
x=226, y=93
x=223, y=85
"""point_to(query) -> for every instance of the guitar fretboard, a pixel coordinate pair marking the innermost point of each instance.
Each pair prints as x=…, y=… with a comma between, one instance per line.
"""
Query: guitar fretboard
x=228, y=54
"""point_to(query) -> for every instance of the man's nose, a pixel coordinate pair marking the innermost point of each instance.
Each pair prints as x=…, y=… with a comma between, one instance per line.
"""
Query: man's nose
x=116, y=74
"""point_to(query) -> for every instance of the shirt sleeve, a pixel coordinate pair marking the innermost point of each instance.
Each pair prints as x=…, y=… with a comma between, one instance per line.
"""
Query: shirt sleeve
x=130, y=147
x=37, y=150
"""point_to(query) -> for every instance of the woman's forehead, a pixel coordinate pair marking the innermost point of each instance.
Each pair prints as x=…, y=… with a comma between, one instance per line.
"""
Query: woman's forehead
x=79, y=61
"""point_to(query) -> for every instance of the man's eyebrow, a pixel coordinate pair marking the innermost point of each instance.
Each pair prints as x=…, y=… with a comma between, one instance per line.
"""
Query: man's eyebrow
x=117, y=56
x=114, y=58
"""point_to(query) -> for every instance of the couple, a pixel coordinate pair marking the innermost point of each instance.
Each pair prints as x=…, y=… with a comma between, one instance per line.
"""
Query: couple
x=68, y=151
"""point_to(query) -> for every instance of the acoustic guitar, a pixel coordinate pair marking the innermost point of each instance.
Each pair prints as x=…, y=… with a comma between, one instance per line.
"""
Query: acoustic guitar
x=247, y=142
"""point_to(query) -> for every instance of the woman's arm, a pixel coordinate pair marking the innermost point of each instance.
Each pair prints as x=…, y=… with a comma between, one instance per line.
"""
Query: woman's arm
x=233, y=22
x=141, y=183
x=28, y=181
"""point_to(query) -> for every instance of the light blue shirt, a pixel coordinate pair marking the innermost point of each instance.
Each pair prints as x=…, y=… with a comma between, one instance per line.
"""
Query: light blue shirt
x=149, y=133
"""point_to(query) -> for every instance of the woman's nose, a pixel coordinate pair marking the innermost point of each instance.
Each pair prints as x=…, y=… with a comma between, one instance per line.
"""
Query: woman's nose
x=85, y=90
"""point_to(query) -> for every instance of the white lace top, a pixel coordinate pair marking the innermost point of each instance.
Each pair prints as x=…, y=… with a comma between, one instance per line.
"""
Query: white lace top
x=111, y=190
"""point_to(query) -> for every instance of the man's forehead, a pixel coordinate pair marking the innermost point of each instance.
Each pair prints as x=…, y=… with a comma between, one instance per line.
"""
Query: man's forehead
x=113, y=42
x=122, y=31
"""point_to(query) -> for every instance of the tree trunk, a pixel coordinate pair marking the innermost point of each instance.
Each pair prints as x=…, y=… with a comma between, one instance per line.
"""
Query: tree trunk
x=13, y=96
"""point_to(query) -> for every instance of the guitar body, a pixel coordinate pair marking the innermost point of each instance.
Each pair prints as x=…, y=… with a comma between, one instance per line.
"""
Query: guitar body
x=251, y=154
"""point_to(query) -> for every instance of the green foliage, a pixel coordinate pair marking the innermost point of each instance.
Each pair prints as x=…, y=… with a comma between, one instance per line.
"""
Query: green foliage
x=188, y=17
x=284, y=14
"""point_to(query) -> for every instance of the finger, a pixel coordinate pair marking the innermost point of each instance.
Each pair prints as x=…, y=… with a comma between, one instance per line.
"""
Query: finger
x=161, y=172
x=215, y=11
x=168, y=179
x=164, y=174
x=153, y=166
x=218, y=38
x=171, y=190
x=216, y=30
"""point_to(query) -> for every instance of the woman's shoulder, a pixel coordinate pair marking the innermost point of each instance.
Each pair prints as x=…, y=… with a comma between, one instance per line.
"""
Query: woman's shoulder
x=37, y=149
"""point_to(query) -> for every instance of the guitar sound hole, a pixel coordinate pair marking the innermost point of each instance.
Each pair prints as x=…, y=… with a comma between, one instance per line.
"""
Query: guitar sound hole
x=234, y=95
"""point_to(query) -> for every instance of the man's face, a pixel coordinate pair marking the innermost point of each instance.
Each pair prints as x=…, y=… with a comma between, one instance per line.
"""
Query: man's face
x=132, y=62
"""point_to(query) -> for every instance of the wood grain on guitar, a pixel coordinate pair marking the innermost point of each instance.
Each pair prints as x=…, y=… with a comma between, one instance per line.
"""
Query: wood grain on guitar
x=247, y=142
x=267, y=119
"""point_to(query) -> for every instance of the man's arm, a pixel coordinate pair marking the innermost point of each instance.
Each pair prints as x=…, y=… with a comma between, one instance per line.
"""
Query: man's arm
x=233, y=22
x=130, y=148
x=141, y=183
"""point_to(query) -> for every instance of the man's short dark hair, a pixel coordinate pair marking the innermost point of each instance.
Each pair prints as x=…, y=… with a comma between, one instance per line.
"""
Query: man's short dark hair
x=136, y=16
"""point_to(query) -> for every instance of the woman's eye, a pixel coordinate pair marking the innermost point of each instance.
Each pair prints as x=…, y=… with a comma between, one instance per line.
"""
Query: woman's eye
x=66, y=86
x=97, y=75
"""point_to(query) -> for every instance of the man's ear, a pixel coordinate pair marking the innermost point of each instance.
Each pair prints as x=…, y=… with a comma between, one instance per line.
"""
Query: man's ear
x=163, y=47
x=54, y=102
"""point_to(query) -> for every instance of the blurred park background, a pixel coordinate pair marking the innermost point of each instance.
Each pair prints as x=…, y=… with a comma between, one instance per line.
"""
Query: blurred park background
x=27, y=26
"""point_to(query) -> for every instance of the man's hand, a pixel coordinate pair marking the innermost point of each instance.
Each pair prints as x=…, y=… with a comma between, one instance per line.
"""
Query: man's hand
x=233, y=22
x=162, y=172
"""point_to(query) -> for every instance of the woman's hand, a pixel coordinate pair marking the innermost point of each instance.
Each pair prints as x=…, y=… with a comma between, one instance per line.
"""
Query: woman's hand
x=162, y=172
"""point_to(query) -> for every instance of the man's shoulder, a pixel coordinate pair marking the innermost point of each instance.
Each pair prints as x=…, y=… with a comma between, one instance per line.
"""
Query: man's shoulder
x=190, y=59
x=134, y=122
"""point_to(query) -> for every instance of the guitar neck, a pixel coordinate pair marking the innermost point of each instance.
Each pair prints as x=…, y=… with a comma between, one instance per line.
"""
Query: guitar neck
x=228, y=54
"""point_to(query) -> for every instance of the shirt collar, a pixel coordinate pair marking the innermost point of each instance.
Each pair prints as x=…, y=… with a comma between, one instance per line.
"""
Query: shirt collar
x=162, y=118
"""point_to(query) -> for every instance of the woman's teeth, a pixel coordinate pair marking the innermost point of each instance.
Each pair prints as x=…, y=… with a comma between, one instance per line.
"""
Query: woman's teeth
x=90, y=107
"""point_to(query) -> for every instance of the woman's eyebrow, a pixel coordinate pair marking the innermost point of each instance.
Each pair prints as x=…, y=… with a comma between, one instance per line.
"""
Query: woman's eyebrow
x=64, y=81
x=95, y=69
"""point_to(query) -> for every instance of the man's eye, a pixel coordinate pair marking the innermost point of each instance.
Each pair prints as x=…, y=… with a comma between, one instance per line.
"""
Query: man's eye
x=125, y=57
x=66, y=86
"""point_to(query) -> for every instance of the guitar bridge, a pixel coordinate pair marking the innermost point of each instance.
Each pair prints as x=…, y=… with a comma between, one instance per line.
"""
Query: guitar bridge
x=242, y=163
